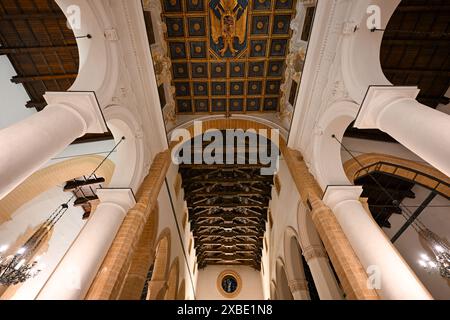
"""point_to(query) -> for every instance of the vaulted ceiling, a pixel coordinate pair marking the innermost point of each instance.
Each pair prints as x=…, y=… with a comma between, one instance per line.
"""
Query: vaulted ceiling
x=416, y=52
x=42, y=50
x=235, y=71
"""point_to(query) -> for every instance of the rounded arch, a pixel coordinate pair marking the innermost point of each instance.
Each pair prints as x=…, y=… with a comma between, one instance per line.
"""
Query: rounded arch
x=360, y=53
x=235, y=122
x=172, y=280
x=352, y=168
x=327, y=163
x=283, y=290
x=308, y=236
x=181, y=295
x=292, y=255
x=97, y=53
x=131, y=152
x=162, y=256
x=157, y=286
x=51, y=176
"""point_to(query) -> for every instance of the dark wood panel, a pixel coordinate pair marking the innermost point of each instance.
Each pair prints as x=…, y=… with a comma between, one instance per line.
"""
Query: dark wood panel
x=42, y=50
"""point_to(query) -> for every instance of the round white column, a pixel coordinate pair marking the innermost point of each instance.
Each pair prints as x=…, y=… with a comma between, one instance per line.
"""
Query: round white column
x=421, y=129
x=29, y=144
x=387, y=271
x=76, y=271
x=324, y=279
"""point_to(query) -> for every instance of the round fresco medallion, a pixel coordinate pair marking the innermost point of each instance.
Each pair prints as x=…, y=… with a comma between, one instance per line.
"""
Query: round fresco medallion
x=229, y=284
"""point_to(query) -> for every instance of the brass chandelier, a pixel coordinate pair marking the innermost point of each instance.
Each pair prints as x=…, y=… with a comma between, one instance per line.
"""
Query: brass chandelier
x=17, y=267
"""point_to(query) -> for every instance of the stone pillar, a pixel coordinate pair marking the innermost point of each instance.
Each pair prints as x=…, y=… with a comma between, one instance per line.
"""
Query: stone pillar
x=347, y=265
x=30, y=143
x=109, y=279
x=352, y=275
x=390, y=274
x=143, y=258
x=299, y=289
x=419, y=128
x=324, y=280
x=74, y=274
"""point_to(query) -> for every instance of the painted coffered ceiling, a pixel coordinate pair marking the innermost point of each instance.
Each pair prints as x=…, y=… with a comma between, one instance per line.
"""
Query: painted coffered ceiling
x=227, y=56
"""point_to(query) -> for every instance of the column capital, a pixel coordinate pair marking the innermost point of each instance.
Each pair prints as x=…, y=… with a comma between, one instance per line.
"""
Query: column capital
x=335, y=195
x=314, y=251
x=377, y=99
x=298, y=285
x=121, y=197
x=84, y=104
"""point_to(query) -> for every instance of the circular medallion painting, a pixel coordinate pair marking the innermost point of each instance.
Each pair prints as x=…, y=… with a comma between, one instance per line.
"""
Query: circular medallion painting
x=229, y=284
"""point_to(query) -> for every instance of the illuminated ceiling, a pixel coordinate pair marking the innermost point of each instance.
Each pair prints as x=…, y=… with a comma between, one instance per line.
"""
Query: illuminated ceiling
x=228, y=56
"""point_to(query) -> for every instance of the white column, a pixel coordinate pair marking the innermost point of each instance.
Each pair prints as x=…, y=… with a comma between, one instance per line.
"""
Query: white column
x=30, y=143
x=299, y=289
x=324, y=279
x=76, y=271
x=387, y=271
x=421, y=129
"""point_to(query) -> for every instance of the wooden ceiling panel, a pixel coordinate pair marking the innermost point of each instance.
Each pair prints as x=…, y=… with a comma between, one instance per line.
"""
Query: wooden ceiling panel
x=42, y=50
x=228, y=206
x=211, y=75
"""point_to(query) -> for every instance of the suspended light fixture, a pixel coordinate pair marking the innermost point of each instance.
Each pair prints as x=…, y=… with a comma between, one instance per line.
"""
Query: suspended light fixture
x=22, y=265
x=440, y=258
x=18, y=267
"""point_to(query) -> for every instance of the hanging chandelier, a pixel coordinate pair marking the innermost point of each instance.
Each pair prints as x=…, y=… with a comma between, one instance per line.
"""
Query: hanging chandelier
x=440, y=258
x=22, y=265
x=18, y=267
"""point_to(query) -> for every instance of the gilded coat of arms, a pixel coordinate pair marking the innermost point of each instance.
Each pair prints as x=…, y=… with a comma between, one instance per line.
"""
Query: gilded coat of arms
x=228, y=21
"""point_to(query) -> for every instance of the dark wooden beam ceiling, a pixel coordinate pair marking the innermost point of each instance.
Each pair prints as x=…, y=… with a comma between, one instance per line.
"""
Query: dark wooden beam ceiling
x=228, y=206
x=42, y=50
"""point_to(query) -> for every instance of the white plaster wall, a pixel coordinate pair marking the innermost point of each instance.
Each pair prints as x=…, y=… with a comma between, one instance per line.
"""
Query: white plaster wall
x=166, y=220
x=284, y=214
x=12, y=96
x=32, y=214
x=207, y=283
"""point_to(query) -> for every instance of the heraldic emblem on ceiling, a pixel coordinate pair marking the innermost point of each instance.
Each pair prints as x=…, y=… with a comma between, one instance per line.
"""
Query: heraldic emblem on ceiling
x=228, y=21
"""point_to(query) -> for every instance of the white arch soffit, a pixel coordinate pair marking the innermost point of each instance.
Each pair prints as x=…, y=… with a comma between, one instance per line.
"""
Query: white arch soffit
x=293, y=268
x=99, y=59
x=361, y=66
x=129, y=170
x=271, y=124
x=327, y=164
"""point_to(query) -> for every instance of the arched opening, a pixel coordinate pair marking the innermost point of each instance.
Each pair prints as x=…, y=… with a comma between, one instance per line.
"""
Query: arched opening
x=227, y=176
x=409, y=201
x=283, y=291
x=172, y=281
x=158, y=284
x=295, y=268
